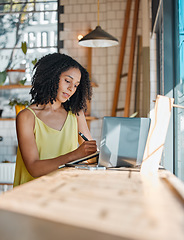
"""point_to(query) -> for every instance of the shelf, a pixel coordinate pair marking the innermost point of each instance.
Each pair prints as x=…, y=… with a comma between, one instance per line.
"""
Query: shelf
x=14, y=86
x=7, y=119
x=91, y=118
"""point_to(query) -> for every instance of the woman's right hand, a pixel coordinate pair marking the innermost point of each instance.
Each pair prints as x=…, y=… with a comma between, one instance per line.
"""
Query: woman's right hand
x=87, y=148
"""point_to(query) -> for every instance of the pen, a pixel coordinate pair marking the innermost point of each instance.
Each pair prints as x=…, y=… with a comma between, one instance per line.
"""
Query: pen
x=82, y=135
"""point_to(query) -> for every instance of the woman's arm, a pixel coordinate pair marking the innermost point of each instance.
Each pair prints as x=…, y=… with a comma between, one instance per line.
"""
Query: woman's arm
x=25, y=123
x=83, y=128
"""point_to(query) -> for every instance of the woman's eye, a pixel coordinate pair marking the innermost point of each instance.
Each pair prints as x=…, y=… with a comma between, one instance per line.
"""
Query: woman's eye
x=67, y=81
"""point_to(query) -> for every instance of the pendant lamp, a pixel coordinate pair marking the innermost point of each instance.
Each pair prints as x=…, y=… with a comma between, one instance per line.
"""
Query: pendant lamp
x=98, y=37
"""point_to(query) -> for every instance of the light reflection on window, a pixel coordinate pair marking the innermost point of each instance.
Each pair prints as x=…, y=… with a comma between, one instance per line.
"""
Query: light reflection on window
x=33, y=21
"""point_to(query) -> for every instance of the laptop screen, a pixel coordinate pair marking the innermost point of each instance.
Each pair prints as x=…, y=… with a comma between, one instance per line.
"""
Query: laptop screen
x=123, y=141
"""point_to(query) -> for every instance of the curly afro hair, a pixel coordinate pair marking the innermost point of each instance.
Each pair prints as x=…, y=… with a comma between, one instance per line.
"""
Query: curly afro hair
x=45, y=82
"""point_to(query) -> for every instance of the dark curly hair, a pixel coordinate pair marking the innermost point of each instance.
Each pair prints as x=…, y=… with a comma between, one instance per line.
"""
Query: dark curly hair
x=45, y=82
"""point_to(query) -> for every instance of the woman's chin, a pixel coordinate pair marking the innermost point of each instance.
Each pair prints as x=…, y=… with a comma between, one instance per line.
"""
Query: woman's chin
x=65, y=100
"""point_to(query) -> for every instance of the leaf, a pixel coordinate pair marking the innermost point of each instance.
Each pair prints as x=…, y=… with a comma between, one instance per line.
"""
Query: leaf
x=34, y=61
x=24, y=47
x=22, y=82
x=2, y=77
x=17, y=101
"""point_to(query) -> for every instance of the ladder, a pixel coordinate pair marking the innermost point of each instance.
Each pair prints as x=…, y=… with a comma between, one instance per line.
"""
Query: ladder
x=121, y=60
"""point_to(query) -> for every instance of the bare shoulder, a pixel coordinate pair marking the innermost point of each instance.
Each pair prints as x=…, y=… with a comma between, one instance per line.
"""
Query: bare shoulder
x=25, y=116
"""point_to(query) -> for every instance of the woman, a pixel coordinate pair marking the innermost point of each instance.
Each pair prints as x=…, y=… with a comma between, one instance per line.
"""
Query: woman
x=47, y=130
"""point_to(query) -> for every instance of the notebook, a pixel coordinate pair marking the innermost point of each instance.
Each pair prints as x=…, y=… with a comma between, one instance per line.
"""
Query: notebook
x=123, y=141
x=80, y=160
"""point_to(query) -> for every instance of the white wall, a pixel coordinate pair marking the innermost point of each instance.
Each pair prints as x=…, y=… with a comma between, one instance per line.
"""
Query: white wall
x=9, y=143
x=78, y=17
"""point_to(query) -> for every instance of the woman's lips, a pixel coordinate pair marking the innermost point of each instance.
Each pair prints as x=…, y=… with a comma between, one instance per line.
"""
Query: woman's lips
x=66, y=95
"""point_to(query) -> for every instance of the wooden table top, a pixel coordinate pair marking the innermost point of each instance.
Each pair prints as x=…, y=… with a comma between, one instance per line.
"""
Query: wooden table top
x=103, y=204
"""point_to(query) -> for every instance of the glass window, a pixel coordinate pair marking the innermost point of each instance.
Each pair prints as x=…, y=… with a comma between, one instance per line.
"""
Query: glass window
x=32, y=21
x=179, y=90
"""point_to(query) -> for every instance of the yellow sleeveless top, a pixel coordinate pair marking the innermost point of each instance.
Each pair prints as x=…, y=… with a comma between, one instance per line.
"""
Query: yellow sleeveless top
x=51, y=143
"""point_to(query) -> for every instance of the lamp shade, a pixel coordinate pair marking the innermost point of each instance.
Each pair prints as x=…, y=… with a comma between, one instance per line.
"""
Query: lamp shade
x=98, y=38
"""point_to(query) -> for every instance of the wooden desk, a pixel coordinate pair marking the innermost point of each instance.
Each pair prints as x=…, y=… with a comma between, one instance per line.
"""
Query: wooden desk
x=86, y=205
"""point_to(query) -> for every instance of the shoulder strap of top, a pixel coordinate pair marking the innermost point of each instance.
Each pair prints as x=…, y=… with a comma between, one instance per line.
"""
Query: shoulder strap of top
x=32, y=111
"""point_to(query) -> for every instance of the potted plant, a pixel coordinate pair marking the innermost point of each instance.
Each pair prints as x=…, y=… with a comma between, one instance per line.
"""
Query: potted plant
x=17, y=75
x=3, y=75
x=19, y=104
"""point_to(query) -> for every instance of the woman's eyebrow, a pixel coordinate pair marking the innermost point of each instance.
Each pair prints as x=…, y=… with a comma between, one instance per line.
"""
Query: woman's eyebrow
x=71, y=77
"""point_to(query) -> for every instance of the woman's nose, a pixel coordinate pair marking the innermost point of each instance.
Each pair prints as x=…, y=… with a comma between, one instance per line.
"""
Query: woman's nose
x=71, y=87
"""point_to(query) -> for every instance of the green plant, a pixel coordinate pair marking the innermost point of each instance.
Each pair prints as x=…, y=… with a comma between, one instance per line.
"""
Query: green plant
x=16, y=101
x=24, y=47
x=22, y=82
x=19, y=77
x=3, y=75
x=15, y=63
x=24, y=50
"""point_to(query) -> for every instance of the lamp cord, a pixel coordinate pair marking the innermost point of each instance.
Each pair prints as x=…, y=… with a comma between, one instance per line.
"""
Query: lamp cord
x=98, y=12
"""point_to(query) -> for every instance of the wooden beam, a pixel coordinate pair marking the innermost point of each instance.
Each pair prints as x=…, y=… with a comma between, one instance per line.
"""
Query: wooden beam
x=89, y=68
x=138, y=75
x=121, y=57
x=131, y=60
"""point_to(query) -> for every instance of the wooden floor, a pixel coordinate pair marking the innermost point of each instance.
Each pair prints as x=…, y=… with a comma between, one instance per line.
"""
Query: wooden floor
x=83, y=204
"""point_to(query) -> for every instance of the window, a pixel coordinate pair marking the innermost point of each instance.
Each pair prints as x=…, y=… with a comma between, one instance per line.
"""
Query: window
x=170, y=55
x=179, y=88
x=33, y=21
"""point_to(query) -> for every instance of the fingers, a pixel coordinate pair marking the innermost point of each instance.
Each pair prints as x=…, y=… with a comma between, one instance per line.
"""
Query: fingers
x=89, y=147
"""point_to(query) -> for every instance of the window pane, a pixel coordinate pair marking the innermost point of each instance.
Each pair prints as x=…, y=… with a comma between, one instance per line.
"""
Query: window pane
x=179, y=98
x=37, y=29
x=27, y=6
x=46, y=6
x=15, y=28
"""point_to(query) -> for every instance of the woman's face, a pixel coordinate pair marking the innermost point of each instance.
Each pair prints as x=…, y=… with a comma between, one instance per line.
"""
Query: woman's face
x=69, y=81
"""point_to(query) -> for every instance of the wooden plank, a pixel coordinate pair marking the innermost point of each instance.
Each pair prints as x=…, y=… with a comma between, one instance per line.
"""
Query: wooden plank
x=89, y=68
x=145, y=81
x=131, y=60
x=174, y=183
x=89, y=118
x=121, y=58
x=156, y=137
x=7, y=119
x=138, y=76
x=14, y=86
x=92, y=205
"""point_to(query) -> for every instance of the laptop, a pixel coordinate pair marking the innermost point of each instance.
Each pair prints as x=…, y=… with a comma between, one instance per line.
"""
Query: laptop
x=123, y=141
